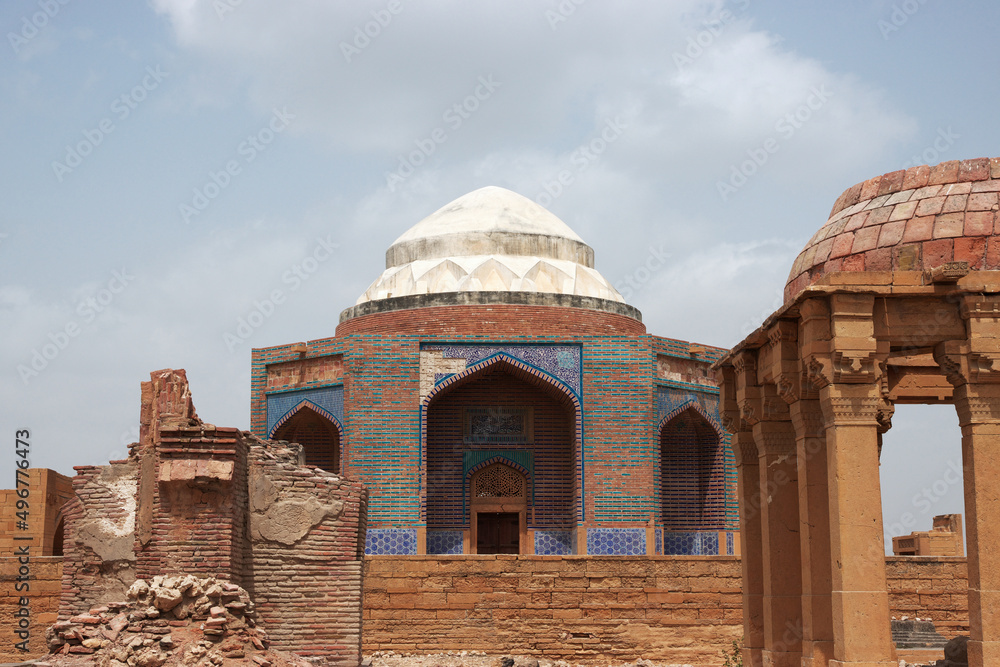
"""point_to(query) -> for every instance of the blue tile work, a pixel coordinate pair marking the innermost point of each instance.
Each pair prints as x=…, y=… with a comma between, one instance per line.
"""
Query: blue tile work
x=554, y=542
x=616, y=541
x=444, y=542
x=560, y=361
x=391, y=541
x=659, y=541
x=330, y=399
x=691, y=544
x=730, y=544
x=669, y=399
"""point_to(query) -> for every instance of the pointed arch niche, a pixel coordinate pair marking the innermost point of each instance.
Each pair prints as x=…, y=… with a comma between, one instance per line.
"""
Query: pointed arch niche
x=316, y=430
x=514, y=415
x=692, y=471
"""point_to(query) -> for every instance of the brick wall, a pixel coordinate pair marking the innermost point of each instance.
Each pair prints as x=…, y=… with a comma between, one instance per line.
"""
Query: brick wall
x=198, y=499
x=100, y=528
x=43, y=604
x=378, y=362
x=498, y=319
x=307, y=532
x=666, y=609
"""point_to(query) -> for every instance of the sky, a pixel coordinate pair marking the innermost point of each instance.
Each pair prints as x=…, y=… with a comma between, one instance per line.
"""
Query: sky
x=167, y=165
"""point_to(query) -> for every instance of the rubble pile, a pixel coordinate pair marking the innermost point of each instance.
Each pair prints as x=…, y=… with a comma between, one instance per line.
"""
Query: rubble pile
x=168, y=620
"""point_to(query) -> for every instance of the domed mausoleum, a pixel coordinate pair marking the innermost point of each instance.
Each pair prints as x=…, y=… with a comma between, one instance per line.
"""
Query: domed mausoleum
x=497, y=395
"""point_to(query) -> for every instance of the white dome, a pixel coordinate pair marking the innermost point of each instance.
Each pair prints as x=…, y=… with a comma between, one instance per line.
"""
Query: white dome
x=490, y=240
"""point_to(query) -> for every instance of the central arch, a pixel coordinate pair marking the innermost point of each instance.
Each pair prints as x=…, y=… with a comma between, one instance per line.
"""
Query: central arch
x=505, y=410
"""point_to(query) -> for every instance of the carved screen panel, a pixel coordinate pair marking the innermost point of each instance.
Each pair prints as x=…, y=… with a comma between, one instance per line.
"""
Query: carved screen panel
x=499, y=481
x=498, y=425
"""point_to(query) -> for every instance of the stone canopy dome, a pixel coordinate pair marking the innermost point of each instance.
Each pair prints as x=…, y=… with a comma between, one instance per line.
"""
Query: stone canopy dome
x=490, y=240
x=909, y=220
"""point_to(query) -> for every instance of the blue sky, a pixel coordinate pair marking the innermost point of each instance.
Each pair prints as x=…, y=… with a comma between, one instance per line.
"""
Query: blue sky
x=166, y=165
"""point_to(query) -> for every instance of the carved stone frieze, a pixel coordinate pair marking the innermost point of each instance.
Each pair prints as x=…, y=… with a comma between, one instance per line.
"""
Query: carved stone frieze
x=846, y=409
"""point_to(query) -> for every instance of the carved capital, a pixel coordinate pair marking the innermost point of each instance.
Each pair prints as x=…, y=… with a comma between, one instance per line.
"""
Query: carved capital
x=745, y=449
x=854, y=367
x=817, y=374
x=775, y=439
x=750, y=411
x=977, y=404
x=961, y=364
x=808, y=420
x=844, y=367
x=884, y=415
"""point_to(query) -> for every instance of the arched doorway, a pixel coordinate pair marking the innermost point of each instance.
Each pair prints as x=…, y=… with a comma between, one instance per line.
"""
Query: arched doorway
x=319, y=437
x=692, y=473
x=498, y=507
x=501, y=411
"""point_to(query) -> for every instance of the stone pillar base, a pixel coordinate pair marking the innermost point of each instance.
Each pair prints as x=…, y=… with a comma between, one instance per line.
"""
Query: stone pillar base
x=752, y=657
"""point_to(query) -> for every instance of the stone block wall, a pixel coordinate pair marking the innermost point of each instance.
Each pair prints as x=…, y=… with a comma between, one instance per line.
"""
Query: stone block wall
x=668, y=609
x=48, y=491
x=935, y=588
x=42, y=595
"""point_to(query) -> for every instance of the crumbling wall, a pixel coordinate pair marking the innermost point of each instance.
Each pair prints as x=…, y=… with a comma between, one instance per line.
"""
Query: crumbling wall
x=98, y=564
x=197, y=499
x=307, y=536
x=192, y=486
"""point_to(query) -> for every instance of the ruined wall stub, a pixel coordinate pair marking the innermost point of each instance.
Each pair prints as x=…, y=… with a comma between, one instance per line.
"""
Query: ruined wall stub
x=193, y=498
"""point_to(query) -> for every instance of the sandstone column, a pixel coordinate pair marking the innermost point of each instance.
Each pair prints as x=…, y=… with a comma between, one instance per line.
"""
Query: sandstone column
x=748, y=483
x=850, y=377
x=973, y=367
x=814, y=528
x=748, y=480
x=979, y=416
x=779, y=490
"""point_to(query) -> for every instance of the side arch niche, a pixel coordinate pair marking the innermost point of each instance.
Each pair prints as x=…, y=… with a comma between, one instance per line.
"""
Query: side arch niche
x=318, y=433
x=692, y=472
